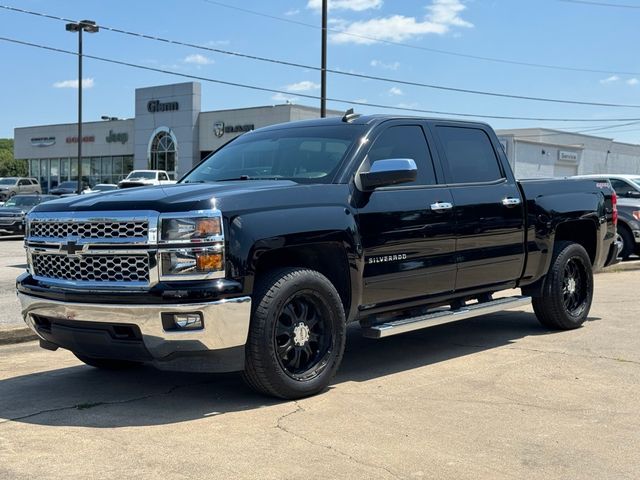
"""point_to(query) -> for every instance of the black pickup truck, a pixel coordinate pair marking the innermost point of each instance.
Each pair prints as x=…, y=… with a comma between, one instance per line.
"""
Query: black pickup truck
x=259, y=257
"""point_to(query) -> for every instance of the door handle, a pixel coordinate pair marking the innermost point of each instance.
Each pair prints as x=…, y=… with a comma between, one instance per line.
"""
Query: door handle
x=441, y=206
x=511, y=202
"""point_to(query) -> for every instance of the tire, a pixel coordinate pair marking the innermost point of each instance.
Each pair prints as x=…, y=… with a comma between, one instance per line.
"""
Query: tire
x=107, y=363
x=628, y=242
x=296, y=336
x=567, y=292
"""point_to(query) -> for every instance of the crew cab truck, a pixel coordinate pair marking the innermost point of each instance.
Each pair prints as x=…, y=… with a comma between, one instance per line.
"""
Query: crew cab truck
x=259, y=257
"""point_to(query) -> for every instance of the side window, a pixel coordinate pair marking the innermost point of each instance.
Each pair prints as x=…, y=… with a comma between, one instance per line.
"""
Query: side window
x=24, y=182
x=470, y=155
x=405, y=142
x=163, y=176
x=621, y=187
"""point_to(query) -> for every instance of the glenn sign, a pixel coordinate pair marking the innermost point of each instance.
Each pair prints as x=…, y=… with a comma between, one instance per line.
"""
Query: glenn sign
x=155, y=106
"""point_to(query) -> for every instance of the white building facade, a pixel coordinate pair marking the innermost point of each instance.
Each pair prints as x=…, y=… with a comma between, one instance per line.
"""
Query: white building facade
x=169, y=132
x=541, y=152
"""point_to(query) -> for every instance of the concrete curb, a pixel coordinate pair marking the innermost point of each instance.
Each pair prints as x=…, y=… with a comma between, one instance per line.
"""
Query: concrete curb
x=16, y=334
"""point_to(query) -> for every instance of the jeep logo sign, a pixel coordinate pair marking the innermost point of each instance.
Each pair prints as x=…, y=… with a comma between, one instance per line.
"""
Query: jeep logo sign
x=117, y=137
x=155, y=106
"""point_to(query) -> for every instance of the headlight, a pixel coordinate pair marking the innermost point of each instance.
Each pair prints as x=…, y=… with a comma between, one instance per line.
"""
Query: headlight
x=191, y=246
x=195, y=229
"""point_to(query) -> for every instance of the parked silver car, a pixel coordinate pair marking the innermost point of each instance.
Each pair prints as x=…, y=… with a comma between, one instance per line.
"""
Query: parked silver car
x=10, y=186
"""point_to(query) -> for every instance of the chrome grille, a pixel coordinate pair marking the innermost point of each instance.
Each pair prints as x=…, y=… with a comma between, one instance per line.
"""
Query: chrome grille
x=92, y=268
x=93, y=230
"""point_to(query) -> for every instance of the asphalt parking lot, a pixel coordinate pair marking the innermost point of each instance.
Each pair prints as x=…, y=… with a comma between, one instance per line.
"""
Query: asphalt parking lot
x=493, y=397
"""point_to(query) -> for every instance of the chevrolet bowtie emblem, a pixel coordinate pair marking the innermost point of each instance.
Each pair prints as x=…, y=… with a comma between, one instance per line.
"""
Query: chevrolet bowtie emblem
x=71, y=248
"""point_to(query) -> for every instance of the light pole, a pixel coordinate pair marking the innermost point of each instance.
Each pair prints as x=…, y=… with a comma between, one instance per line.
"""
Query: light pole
x=88, y=26
x=323, y=67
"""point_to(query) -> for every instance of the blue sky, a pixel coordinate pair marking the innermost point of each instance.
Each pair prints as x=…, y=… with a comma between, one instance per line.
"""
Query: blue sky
x=37, y=86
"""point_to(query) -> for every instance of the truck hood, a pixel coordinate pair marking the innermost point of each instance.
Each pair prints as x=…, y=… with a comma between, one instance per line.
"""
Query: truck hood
x=227, y=196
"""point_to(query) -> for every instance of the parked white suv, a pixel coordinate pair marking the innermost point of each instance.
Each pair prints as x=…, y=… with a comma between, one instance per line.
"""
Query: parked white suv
x=10, y=186
x=145, y=178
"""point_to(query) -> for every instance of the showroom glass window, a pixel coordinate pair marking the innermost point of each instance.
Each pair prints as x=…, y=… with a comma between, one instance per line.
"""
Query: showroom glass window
x=162, y=155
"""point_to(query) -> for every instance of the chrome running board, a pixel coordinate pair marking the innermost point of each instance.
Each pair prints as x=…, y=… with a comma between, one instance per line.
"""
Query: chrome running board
x=404, y=325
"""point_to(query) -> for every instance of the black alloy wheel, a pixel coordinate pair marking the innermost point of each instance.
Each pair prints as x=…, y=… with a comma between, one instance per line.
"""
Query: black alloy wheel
x=574, y=289
x=297, y=334
x=567, y=291
x=303, y=340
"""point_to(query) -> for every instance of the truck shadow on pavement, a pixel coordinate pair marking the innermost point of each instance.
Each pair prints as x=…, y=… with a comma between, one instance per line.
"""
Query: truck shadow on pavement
x=86, y=397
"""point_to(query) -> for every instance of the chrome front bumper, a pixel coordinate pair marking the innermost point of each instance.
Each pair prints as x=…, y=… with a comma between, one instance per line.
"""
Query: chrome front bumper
x=226, y=322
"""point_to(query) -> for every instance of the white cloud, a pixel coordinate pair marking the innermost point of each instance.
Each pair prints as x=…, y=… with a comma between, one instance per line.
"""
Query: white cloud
x=303, y=86
x=354, y=5
x=292, y=12
x=280, y=97
x=360, y=100
x=441, y=16
x=387, y=66
x=86, y=83
x=198, y=59
x=633, y=82
x=395, y=91
x=611, y=79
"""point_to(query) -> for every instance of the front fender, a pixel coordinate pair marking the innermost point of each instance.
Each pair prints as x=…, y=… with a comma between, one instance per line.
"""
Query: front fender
x=251, y=234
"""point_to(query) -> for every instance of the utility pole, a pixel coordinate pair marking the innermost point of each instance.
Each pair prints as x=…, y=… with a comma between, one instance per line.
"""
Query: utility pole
x=88, y=26
x=323, y=67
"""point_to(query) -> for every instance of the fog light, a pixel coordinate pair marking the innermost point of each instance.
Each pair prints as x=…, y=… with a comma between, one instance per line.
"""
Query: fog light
x=187, y=321
x=209, y=262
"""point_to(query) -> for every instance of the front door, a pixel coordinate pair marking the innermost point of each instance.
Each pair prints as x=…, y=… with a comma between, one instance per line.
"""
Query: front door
x=489, y=209
x=408, y=245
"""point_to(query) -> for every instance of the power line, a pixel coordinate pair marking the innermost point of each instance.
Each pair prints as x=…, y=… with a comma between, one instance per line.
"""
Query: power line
x=601, y=4
x=314, y=97
x=332, y=71
x=419, y=47
x=581, y=131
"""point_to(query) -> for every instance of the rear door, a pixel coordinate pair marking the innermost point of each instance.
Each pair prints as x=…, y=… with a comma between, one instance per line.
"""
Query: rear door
x=409, y=246
x=488, y=206
x=24, y=186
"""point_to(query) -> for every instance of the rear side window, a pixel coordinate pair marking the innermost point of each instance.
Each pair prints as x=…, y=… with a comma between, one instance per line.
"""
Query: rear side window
x=621, y=187
x=405, y=141
x=469, y=154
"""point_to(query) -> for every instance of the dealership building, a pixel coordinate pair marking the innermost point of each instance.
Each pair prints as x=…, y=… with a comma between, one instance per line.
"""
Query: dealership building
x=543, y=152
x=170, y=132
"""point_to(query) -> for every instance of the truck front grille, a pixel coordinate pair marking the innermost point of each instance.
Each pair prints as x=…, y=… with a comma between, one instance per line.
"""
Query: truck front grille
x=92, y=268
x=90, y=230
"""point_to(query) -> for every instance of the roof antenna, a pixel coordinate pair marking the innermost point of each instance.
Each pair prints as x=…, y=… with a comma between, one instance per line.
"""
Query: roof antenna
x=349, y=116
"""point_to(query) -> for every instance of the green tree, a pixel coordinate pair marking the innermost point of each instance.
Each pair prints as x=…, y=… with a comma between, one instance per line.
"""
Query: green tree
x=9, y=166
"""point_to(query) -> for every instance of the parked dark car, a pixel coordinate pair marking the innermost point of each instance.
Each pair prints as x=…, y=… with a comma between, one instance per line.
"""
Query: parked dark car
x=629, y=227
x=263, y=254
x=13, y=212
x=69, y=188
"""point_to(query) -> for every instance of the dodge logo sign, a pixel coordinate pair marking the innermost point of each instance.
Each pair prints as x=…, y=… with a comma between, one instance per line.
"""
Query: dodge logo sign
x=218, y=129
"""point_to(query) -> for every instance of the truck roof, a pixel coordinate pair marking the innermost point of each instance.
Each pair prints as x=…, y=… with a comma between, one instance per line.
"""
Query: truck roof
x=362, y=120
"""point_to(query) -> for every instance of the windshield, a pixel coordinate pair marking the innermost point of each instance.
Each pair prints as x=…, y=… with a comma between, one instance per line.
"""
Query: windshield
x=72, y=185
x=147, y=175
x=7, y=181
x=22, y=202
x=301, y=154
